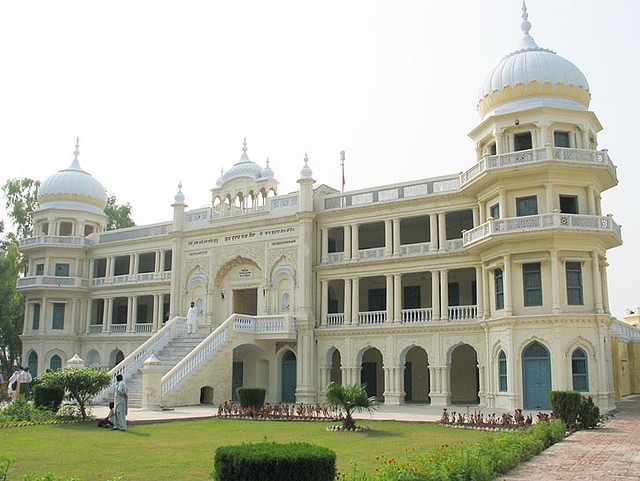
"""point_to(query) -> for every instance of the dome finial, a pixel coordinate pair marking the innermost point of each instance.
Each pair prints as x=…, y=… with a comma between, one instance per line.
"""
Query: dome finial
x=75, y=164
x=244, y=145
x=525, y=26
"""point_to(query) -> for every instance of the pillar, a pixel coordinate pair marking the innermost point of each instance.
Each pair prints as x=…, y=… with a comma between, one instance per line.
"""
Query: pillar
x=435, y=295
x=433, y=233
x=442, y=232
x=396, y=238
x=355, y=243
x=348, y=318
x=444, y=295
x=324, y=302
x=597, y=282
x=388, y=238
x=355, y=301
x=508, y=287
x=152, y=372
x=324, y=245
x=397, y=298
x=555, y=282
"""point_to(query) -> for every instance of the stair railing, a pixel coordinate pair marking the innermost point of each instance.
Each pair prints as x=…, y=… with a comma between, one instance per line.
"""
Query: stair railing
x=133, y=362
x=203, y=351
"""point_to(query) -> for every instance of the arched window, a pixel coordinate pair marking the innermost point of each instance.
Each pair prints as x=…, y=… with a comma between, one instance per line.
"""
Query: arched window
x=579, y=370
x=502, y=372
x=32, y=362
x=55, y=362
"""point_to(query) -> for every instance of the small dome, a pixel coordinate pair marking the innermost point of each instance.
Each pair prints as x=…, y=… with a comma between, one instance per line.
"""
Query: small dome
x=306, y=172
x=74, y=189
x=530, y=77
x=243, y=168
x=267, y=173
x=178, y=199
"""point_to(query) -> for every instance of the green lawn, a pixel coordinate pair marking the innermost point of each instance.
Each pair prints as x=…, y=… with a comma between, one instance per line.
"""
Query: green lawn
x=184, y=450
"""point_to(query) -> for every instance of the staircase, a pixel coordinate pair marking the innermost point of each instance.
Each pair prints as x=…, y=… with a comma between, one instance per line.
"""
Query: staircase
x=169, y=355
x=182, y=355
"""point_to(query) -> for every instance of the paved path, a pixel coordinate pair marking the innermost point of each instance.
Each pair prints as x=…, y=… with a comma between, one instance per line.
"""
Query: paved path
x=610, y=453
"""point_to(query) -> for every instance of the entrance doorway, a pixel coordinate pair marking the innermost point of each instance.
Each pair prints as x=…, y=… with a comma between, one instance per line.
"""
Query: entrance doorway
x=245, y=301
x=536, y=376
x=289, y=377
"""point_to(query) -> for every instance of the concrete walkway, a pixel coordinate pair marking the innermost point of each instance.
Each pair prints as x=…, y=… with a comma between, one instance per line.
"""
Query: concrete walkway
x=610, y=453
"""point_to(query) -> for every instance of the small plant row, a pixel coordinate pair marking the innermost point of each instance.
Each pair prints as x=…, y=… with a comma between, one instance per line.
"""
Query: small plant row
x=491, y=456
x=479, y=420
x=279, y=411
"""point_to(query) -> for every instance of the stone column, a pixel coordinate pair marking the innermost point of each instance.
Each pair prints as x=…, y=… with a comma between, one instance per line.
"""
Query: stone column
x=132, y=312
x=355, y=243
x=507, y=287
x=348, y=317
x=597, y=282
x=152, y=372
x=480, y=288
x=444, y=295
x=324, y=302
x=442, y=231
x=390, y=296
x=397, y=298
x=324, y=246
x=347, y=243
x=433, y=232
x=388, y=238
x=435, y=295
x=393, y=394
x=355, y=301
x=107, y=314
x=396, y=238
x=555, y=282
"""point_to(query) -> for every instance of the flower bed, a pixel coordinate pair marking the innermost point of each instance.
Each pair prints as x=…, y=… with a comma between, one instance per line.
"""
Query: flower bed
x=490, y=422
x=279, y=412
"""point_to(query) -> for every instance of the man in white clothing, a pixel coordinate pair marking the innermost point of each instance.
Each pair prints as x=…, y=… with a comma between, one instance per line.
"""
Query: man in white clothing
x=192, y=316
x=120, y=405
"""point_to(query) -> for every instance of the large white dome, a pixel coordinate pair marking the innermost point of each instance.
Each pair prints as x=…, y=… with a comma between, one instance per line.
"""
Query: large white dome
x=533, y=76
x=73, y=189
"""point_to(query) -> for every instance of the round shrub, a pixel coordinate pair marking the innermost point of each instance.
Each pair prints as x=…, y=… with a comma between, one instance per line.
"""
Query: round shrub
x=48, y=397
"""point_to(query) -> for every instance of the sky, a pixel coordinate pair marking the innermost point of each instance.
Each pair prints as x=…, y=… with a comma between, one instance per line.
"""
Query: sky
x=162, y=92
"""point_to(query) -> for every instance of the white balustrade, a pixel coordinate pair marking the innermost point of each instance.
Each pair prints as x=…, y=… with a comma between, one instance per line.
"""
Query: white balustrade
x=118, y=328
x=370, y=254
x=422, y=314
x=462, y=313
x=95, y=328
x=372, y=317
x=335, y=319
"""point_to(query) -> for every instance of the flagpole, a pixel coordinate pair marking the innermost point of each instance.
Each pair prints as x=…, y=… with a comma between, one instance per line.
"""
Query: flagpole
x=342, y=164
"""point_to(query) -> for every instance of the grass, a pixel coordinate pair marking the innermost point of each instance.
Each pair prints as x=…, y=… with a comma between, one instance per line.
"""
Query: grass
x=185, y=449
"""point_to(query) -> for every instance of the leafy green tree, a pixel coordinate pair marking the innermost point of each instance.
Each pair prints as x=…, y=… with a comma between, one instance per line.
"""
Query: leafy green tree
x=11, y=307
x=21, y=200
x=119, y=215
x=350, y=399
x=80, y=385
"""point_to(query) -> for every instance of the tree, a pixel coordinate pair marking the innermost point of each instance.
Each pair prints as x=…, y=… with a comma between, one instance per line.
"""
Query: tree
x=119, y=215
x=21, y=200
x=11, y=307
x=350, y=399
x=80, y=385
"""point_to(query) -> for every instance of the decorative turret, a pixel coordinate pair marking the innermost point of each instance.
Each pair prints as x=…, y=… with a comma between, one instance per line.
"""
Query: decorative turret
x=306, y=182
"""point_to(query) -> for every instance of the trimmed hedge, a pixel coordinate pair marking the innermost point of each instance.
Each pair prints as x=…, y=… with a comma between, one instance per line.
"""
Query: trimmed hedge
x=251, y=396
x=566, y=405
x=274, y=462
x=48, y=397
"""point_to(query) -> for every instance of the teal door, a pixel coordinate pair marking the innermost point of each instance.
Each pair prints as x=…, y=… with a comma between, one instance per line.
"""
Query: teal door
x=536, y=376
x=289, y=377
x=236, y=378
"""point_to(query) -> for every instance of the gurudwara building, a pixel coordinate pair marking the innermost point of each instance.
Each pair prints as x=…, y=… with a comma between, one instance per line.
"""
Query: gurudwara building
x=485, y=287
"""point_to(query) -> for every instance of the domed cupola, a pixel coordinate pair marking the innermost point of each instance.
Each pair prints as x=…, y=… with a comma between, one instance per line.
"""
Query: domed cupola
x=532, y=77
x=243, y=168
x=73, y=189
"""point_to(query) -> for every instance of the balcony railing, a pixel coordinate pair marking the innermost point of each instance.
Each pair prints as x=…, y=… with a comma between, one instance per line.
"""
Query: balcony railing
x=423, y=314
x=544, y=154
x=372, y=317
x=55, y=240
x=462, y=313
x=419, y=315
x=52, y=282
x=532, y=223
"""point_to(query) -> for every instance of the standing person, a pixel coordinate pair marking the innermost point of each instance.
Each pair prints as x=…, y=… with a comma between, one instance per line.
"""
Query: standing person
x=120, y=405
x=192, y=319
x=12, y=385
x=24, y=382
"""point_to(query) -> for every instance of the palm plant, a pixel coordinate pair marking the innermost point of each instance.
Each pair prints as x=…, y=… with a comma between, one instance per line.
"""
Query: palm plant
x=350, y=399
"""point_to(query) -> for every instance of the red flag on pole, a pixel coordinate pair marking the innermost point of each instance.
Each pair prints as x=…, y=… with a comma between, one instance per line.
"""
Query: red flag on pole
x=342, y=164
